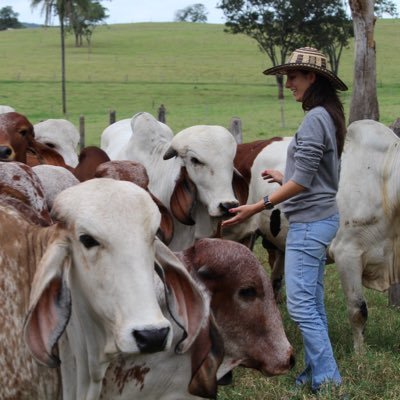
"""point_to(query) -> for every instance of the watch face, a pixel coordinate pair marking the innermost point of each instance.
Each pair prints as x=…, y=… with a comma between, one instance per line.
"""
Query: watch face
x=267, y=204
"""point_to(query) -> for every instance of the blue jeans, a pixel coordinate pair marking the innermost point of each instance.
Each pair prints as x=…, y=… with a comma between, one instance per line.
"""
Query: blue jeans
x=305, y=258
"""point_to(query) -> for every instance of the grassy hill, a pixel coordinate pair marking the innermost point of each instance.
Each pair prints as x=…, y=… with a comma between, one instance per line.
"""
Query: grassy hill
x=206, y=76
x=200, y=73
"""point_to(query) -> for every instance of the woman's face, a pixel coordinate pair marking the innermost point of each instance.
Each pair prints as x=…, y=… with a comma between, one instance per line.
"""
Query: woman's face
x=298, y=82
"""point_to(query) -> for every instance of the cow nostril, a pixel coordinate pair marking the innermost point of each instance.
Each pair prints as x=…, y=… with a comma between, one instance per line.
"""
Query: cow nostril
x=226, y=206
x=5, y=152
x=151, y=340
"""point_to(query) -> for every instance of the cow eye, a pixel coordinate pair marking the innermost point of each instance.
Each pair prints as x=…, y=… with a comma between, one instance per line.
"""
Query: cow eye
x=88, y=241
x=196, y=161
x=51, y=145
x=248, y=293
x=23, y=132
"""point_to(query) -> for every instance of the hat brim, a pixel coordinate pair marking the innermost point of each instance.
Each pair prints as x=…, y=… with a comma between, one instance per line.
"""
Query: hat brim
x=284, y=68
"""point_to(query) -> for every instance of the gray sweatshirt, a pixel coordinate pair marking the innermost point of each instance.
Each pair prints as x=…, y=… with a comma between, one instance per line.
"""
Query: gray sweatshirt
x=313, y=162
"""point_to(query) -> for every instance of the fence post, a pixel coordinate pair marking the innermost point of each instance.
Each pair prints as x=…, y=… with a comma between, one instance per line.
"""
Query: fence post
x=161, y=114
x=112, y=118
x=236, y=129
x=81, y=132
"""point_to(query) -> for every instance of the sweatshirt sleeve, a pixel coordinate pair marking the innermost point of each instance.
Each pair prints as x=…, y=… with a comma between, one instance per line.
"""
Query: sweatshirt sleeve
x=310, y=147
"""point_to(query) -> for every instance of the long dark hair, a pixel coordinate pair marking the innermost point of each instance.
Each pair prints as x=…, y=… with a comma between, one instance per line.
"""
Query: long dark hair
x=323, y=93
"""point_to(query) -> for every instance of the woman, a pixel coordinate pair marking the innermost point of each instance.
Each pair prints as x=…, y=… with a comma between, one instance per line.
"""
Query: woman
x=307, y=193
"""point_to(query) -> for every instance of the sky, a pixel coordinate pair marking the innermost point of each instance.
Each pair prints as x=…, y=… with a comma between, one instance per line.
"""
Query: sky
x=126, y=11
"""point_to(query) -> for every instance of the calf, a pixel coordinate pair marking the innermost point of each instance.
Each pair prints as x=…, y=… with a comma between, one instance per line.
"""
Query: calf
x=246, y=317
x=17, y=142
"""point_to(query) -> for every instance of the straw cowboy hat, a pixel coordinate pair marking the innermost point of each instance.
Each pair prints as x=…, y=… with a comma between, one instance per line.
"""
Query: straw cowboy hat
x=310, y=59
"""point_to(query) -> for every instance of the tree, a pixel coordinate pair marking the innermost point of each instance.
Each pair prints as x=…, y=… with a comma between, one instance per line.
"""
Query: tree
x=9, y=19
x=382, y=7
x=364, y=101
x=84, y=19
x=280, y=26
x=62, y=8
x=194, y=13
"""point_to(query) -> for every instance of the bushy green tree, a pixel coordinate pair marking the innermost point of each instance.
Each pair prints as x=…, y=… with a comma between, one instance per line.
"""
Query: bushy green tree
x=388, y=7
x=280, y=26
x=84, y=18
x=194, y=13
x=9, y=19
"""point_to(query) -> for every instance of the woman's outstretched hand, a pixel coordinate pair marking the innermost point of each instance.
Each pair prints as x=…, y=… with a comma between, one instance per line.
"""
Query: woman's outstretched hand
x=272, y=175
x=242, y=213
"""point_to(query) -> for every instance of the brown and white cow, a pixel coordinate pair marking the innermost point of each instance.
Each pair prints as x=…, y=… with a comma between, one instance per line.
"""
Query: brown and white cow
x=246, y=317
x=87, y=284
x=18, y=143
x=366, y=248
x=21, y=188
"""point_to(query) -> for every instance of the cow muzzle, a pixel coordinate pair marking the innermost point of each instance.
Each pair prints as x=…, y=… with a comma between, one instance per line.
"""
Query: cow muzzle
x=226, y=206
x=6, y=153
x=151, y=340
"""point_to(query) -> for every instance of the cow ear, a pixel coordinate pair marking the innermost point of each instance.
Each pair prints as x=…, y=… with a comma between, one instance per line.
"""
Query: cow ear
x=39, y=153
x=166, y=231
x=170, y=153
x=49, y=305
x=240, y=187
x=206, y=355
x=183, y=198
x=188, y=306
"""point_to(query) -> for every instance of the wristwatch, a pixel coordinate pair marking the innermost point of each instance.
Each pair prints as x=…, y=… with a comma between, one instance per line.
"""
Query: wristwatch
x=267, y=204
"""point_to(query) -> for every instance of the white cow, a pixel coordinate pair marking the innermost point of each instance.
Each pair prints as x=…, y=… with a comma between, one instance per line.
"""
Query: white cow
x=191, y=173
x=93, y=289
x=62, y=136
x=366, y=248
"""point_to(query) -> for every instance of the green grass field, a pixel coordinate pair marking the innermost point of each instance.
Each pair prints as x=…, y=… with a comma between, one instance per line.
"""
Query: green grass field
x=205, y=76
x=202, y=75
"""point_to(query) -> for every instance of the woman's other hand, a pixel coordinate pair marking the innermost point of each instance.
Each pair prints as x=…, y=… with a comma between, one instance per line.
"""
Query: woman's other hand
x=272, y=175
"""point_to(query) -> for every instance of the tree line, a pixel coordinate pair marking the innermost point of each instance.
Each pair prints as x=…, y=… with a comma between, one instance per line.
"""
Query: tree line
x=80, y=17
x=278, y=26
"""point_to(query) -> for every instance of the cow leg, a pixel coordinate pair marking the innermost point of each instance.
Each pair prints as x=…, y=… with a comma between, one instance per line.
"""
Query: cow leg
x=278, y=268
x=276, y=260
x=350, y=270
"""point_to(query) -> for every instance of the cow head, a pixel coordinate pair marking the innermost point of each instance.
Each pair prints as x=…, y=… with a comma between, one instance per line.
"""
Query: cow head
x=207, y=173
x=243, y=306
x=16, y=134
x=100, y=264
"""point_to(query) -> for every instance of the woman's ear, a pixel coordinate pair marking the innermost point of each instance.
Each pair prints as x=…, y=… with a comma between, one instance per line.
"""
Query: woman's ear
x=312, y=76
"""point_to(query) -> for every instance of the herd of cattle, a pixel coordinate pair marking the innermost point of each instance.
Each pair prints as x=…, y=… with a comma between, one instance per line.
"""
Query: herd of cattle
x=115, y=271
